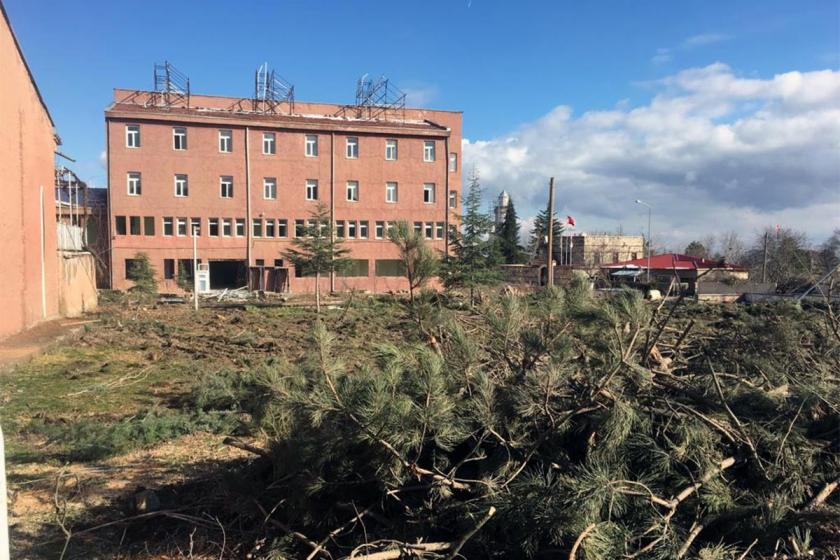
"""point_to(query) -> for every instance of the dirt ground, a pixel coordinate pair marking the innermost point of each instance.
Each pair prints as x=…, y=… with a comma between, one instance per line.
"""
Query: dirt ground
x=117, y=366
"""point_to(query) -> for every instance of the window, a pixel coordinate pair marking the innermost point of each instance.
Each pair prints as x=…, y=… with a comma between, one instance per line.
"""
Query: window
x=355, y=268
x=168, y=269
x=311, y=189
x=149, y=225
x=260, y=262
x=185, y=269
x=282, y=228
x=227, y=227
x=134, y=187
x=278, y=263
x=391, y=192
x=182, y=227
x=439, y=230
x=213, y=227
x=269, y=143
x=269, y=188
x=391, y=150
x=179, y=138
x=131, y=268
x=226, y=186
x=453, y=199
x=168, y=230
x=389, y=267
x=453, y=162
x=269, y=227
x=430, y=230
x=351, y=229
x=429, y=193
x=353, y=191
x=339, y=228
x=195, y=226
x=226, y=141
x=299, y=228
x=134, y=225
x=429, y=150
x=120, y=225
x=418, y=227
x=257, y=227
x=132, y=136
x=379, y=232
x=240, y=227
x=311, y=141
x=181, y=187
x=352, y=148
x=363, y=229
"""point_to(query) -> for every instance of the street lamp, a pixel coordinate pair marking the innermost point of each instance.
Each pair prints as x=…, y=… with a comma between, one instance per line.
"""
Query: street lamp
x=648, y=237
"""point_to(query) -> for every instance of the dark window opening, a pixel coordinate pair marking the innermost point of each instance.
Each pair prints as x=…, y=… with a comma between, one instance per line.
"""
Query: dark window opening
x=120, y=225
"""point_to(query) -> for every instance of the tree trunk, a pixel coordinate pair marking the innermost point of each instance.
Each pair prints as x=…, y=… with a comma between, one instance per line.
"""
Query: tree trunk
x=318, y=292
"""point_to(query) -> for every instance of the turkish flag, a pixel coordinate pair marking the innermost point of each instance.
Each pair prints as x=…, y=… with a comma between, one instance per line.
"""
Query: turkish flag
x=570, y=220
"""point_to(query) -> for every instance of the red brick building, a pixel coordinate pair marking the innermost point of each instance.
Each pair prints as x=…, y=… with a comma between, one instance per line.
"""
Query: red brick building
x=27, y=214
x=247, y=176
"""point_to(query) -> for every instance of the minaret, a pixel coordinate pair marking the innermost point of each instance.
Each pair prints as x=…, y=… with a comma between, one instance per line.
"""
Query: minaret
x=501, y=209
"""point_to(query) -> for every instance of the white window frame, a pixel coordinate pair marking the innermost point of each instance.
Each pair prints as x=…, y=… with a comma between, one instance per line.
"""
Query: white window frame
x=269, y=188
x=132, y=136
x=257, y=227
x=171, y=222
x=453, y=162
x=225, y=141
x=352, y=187
x=351, y=229
x=227, y=225
x=225, y=186
x=429, y=150
x=428, y=193
x=181, y=222
x=182, y=185
x=239, y=227
x=134, y=183
x=269, y=224
x=179, y=132
x=352, y=147
x=439, y=230
x=395, y=191
x=310, y=145
x=364, y=227
x=312, y=189
x=282, y=225
x=379, y=230
x=195, y=223
x=269, y=140
x=339, y=229
x=453, y=199
x=391, y=145
x=210, y=223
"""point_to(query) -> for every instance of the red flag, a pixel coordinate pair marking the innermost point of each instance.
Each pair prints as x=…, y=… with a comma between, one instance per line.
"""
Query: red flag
x=570, y=221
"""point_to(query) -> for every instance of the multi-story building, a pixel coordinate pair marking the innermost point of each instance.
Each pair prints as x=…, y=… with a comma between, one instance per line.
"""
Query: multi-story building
x=591, y=250
x=246, y=175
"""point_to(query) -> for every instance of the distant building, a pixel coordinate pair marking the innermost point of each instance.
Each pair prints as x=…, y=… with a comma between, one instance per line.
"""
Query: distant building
x=686, y=269
x=591, y=250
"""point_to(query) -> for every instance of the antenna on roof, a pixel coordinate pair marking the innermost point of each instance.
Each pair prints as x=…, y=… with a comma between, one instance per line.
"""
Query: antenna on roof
x=375, y=99
x=271, y=90
x=172, y=87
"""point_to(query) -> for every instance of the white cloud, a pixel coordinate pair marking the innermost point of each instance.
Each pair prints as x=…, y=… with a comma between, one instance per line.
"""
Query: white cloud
x=711, y=151
x=103, y=159
x=666, y=54
x=420, y=95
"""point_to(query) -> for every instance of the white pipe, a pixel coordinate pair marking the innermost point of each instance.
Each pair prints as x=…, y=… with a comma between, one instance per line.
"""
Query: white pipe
x=4, y=520
x=43, y=258
x=195, y=267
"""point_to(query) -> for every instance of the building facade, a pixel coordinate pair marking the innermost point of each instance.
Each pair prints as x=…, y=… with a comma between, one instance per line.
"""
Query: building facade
x=27, y=214
x=247, y=182
x=591, y=250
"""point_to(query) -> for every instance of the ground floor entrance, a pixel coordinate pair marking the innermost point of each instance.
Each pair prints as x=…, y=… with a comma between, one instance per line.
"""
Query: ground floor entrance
x=229, y=274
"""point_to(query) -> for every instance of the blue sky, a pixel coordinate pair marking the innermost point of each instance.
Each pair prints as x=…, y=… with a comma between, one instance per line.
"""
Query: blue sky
x=505, y=64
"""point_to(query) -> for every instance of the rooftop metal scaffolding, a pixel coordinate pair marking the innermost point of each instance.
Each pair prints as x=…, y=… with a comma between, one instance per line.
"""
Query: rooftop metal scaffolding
x=374, y=100
x=271, y=91
x=172, y=87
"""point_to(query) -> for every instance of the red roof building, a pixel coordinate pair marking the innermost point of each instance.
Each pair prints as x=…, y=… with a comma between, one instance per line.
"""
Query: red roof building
x=675, y=261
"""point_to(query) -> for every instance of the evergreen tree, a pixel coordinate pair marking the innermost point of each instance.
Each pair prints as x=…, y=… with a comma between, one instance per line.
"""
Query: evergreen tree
x=540, y=231
x=509, y=237
x=476, y=256
x=142, y=273
x=697, y=249
x=318, y=251
x=418, y=259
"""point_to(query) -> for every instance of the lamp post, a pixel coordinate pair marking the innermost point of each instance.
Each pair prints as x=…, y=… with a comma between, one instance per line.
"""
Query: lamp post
x=648, y=236
x=195, y=267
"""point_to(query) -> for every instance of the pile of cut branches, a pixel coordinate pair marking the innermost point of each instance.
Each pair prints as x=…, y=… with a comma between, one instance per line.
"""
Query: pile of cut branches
x=559, y=425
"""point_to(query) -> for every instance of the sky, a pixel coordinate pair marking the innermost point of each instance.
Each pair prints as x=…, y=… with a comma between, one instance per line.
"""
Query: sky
x=722, y=115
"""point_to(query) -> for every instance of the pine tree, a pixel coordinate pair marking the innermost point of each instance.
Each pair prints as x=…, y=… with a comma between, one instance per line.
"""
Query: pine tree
x=697, y=249
x=142, y=273
x=509, y=237
x=476, y=253
x=318, y=251
x=540, y=231
x=418, y=259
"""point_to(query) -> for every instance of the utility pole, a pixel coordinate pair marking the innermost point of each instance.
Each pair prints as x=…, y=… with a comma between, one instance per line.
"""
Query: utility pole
x=764, y=263
x=550, y=280
x=648, y=236
x=195, y=268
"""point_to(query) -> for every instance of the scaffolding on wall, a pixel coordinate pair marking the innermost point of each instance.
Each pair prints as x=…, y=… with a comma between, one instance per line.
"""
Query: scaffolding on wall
x=271, y=91
x=71, y=207
x=375, y=100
